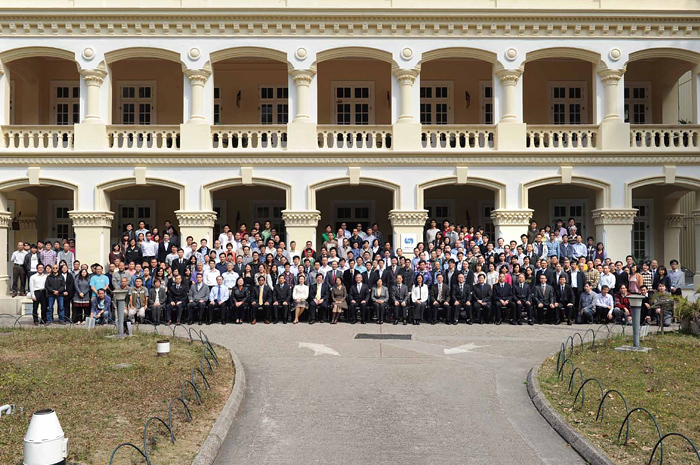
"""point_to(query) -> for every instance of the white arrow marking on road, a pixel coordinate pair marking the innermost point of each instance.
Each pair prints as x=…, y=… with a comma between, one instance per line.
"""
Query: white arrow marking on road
x=463, y=349
x=318, y=348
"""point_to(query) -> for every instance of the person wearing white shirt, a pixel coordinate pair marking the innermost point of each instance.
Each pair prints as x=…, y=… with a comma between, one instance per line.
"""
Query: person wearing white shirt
x=606, y=279
x=149, y=248
x=218, y=296
x=604, y=305
x=19, y=273
x=223, y=237
x=37, y=291
x=230, y=276
x=300, y=296
x=211, y=274
x=419, y=298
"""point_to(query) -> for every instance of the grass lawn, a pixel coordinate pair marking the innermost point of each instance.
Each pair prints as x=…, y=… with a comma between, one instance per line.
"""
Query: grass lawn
x=100, y=405
x=665, y=381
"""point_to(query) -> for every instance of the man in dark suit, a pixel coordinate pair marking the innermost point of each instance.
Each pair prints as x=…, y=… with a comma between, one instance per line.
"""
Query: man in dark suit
x=281, y=296
x=359, y=296
x=333, y=274
x=379, y=272
x=180, y=263
x=522, y=295
x=503, y=303
x=543, y=298
x=558, y=274
x=440, y=294
x=451, y=274
x=261, y=300
x=319, y=295
x=394, y=270
x=481, y=299
x=164, y=248
x=564, y=301
x=577, y=279
x=408, y=274
x=399, y=297
x=621, y=277
x=461, y=300
x=349, y=274
x=177, y=298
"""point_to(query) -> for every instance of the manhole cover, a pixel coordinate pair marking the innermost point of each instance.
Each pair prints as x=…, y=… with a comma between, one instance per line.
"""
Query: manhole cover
x=406, y=337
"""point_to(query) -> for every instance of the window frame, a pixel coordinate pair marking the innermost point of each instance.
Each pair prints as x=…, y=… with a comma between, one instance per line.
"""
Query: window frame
x=568, y=101
x=630, y=101
x=54, y=101
x=434, y=101
x=275, y=101
x=483, y=100
x=370, y=101
x=137, y=100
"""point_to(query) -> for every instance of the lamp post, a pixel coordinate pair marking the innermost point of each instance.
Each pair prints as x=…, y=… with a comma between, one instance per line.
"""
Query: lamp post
x=636, y=304
x=120, y=295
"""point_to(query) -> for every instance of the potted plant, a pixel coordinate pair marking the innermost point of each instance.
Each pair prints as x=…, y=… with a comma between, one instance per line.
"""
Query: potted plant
x=688, y=313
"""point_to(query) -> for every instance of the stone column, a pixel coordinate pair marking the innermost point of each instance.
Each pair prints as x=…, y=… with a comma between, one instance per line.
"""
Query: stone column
x=93, y=231
x=301, y=131
x=406, y=132
x=196, y=133
x=301, y=226
x=613, y=228
x=672, y=237
x=91, y=133
x=511, y=129
x=409, y=227
x=696, y=221
x=613, y=133
x=198, y=224
x=5, y=221
x=510, y=224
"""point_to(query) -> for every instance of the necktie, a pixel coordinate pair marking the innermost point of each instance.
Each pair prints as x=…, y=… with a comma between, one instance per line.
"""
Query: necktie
x=562, y=290
x=218, y=297
x=501, y=285
x=318, y=292
x=260, y=299
x=461, y=287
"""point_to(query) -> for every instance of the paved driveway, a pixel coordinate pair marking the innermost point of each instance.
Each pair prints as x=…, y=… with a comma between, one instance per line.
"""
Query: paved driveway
x=450, y=395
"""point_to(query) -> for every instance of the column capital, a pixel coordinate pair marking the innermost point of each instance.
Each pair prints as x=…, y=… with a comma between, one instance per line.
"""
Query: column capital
x=408, y=217
x=93, y=77
x=509, y=77
x=303, y=77
x=91, y=219
x=5, y=219
x=502, y=217
x=204, y=219
x=675, y=220
x=605, y=216
x=406, y=76
x=696, y=217
x=198, y=76
x=307, y=218
x=611, y=76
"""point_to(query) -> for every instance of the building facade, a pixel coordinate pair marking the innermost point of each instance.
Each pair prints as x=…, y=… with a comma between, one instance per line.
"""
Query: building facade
x=310, y=113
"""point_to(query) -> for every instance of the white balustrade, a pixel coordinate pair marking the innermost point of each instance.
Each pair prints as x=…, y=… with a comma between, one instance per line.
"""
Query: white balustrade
x=562, y=137
x=354, y=137
x=677, y=137
x=144, y=137
x=458, y=137
x=37, y=137
x=246, y=137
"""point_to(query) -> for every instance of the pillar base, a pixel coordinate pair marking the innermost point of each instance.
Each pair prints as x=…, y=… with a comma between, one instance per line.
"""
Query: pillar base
x=510, y=224
x=302, y=136
x=614, y=229
x=613, y=134
x=406, y=136
x=511, y=136
x=409, y=227
x=301, y=226
x=195, y=136
x=90, y=136
x=198, y=224
x=92, y=235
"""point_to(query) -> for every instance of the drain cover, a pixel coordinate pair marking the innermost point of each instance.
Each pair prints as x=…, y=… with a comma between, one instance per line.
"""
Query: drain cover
x=383, y=336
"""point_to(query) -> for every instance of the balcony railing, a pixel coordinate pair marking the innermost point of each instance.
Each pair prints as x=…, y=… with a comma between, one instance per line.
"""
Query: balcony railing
x=37, y=137
x=458, y=137
x=354, y=137
x=244, y=137
x=561, y=137
x=143, y=137
x=680, y=137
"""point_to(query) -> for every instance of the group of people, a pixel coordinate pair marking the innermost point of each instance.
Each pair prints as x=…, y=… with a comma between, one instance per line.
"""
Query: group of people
x=551, y=275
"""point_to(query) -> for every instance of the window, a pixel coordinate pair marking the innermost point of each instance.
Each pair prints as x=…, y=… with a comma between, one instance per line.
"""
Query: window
x=354, y=102
x=486, y=102
x=641, y=230
x=137, y=102
x=133, y=211
x=217, y=105
x=352, y=213
x=441, y=210
x=565, y=209
x=638, y=102
x=485, y=220
x=567, y=102
x=269, y=211
x=220, y=209
x=436, y=102
x=59, y=221
x=274, y=107
x=65, y=102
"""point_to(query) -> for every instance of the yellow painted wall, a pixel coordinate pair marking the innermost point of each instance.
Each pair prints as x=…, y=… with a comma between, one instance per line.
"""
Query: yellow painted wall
x=32, y=80
x=354, y=70
x=465, y=76
x=536, y=77
x=169, y=86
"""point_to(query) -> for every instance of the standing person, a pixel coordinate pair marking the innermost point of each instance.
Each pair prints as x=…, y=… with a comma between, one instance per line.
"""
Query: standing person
x=300, y=295
x=676, y=277
x=339, y=297
x=156, y=299
x=69, y=292
x=48, y=256
x=31, y=261
x=19, y=273
x=66, y=255
x=419, y=297
x=37, y=285
x=81, y=297
x=55, y=287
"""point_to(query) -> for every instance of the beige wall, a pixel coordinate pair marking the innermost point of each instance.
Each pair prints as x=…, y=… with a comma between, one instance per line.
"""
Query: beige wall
x=467, y=202
x=33, y=202
x=663, y=75
x=167, y=202
x=240, y=200
x=539, y=197
x=354, y=70
x=32, y=80
x=246, y=76
x=536, y=77
x=465, y=76
x=169, y=86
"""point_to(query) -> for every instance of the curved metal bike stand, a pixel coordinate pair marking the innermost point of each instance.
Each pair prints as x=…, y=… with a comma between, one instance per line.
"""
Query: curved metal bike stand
x=204, y=378
x=145, y=435
x=213, y=355
x=561, y=358
x=660, y=441
x=561, y=370
x=189, y=332
x=571, y=380
x=196, y=391
x=601, y=406
x=627, y=435
x=201, y=364
x=567, y=346
x=606, y=327
x=188, y=415
x=580, y=338
x=582, y=390
x=584, y=337
x=125, y=444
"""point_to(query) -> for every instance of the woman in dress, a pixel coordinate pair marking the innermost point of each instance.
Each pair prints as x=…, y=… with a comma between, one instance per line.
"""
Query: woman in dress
x=419, y=297
x=635, y=280
x=248, y=277
x=81, y=299
x=339, y=296
x=239, y=297
x=116, y=254
x=133, y=253
x=492, y=275
x=300, y=295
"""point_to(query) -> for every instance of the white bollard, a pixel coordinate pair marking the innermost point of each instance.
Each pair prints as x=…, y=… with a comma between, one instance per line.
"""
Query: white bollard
x=162, y=348
x=45, y=443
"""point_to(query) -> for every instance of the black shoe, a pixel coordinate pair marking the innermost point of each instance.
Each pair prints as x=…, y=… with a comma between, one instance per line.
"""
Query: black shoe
x=557, y=322
x=568, y=322
x=312, y=322
x=223, y=322
x=469, y=322
x=379, y=322
x=531, y=323
x=519, y=323
x=513, y=322
x=284, y=321
x=405, y=322
x=36, y=323
x=363, y=322
x=498, y=322
x=396, y=322
x=199, y=323
x=353, y=322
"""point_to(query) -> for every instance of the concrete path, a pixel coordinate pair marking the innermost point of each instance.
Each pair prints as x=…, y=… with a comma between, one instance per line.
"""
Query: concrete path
x=390, y=401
